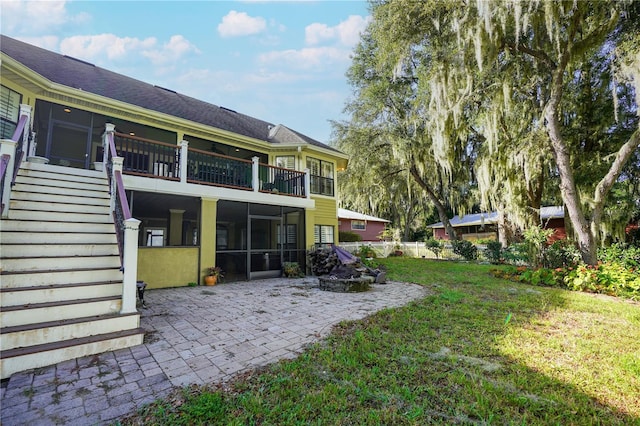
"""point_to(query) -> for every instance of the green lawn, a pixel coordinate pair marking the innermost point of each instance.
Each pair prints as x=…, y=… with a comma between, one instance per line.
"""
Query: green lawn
x=478, y=350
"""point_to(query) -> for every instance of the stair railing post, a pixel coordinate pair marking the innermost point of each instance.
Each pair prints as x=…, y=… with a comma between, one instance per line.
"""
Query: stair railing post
x=129, y=280
x=184, y=151
x=255, y=173
x=307, y=183
x=8, y=147
x=27, y=142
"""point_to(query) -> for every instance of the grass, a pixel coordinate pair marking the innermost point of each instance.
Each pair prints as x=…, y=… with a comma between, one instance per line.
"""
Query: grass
x=478, y=350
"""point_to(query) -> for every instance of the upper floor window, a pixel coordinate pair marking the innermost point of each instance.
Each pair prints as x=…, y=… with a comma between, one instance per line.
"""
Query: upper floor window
x=286, y=161
x=9, y=111
x=321, y=174
x=358, y=225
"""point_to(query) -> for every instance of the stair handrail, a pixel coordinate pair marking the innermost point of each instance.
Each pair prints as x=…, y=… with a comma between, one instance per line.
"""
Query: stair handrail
x=127, y=227
x=19, y=136
x=119, y=205
x=11, y=154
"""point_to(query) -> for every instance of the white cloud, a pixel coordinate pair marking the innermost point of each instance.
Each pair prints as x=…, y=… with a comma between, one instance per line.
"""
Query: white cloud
x=236, y=24
x=90, y=47
x=309, y=57
x=346, y=32
x=37, y=17
x=176, y=48
x=45, y=42
x=114, y=48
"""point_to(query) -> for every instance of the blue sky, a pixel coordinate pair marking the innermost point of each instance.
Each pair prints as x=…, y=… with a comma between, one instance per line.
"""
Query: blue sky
x=280, y=61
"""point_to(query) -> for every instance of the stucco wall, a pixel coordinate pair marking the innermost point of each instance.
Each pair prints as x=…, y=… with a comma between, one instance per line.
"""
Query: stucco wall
x=162, y=267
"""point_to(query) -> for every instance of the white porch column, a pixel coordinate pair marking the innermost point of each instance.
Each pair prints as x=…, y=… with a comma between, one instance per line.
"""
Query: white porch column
x=255, y=174
x=131, y=229
x=184, y=151
x=7, y=146
x=29, y=145
x=307, y=183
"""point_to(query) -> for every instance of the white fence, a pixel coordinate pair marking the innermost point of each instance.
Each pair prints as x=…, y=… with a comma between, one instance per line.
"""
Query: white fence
x=410, y=249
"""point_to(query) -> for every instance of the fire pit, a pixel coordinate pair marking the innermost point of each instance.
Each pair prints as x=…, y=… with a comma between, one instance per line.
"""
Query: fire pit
x=345, y=285
x=340, y=271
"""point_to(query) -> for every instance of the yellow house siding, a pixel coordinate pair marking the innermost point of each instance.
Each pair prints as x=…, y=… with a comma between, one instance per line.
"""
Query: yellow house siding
x=162, y=267
x=208, y=213
x=325, y=213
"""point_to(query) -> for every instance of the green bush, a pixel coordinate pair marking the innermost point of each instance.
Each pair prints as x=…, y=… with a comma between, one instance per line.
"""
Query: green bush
x=608, y=278
x=465, y=249
x=434, y=245
x=560, y=254
x=536, y=240
x=348, y=237
x=612, y=278
x=493, y=252
x=292, y=270
x=516, y=254
x=625, y=254
x=365, y=251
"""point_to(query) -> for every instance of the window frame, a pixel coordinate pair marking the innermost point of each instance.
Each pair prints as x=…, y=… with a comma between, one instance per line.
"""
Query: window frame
x=318, y=234
x=321, y=183
x=9, y=113
x=355, y=222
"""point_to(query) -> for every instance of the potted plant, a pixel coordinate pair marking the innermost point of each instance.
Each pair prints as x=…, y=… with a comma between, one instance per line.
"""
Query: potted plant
x=213, y=273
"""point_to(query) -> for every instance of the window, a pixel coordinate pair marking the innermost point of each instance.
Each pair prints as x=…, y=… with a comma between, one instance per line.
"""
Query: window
x=291, y=237
x=323, y=234
x=287, y=162
x=358, y=225
x=155, y=237
x=321, y=176
x=9, y=111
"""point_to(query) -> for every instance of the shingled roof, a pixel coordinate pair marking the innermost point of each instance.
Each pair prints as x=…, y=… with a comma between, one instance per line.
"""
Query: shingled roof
x=82, y=75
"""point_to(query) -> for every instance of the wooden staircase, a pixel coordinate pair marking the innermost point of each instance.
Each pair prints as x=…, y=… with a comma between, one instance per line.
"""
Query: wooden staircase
x=60, y=278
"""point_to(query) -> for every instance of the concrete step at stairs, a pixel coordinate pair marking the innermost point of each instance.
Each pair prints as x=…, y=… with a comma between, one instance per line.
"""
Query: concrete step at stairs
x=31, y=194
x=33, y=190
x=39, y=226
x=58, y=250
x=42, y=333
x=55, y=263
x=34, y=313
x=61, y=276
x=52, y=217
x=21, y=359
x=31, y=239
x=61, y=283
x=61, y=177
x=62, y=204
x=22, y=296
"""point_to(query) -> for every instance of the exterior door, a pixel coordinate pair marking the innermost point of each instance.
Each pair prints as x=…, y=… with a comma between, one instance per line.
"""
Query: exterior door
x=265, y=251
x=69, y=144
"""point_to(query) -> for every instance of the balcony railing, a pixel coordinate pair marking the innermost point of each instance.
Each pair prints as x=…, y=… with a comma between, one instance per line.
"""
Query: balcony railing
x=143, y=157
x=219, y=170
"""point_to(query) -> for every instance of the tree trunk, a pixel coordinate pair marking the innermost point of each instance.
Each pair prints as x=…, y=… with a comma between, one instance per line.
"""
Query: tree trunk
x=586, y=242
x=442, y=212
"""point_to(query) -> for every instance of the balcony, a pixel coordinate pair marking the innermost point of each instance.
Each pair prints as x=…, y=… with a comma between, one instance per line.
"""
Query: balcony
x=159, y=160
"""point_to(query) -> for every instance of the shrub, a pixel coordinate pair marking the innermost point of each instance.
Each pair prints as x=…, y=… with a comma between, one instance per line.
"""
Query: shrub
x=493, y=252
x=625, y=254
x=465, y=249
x=434, y=245
x=560, y=254
x=536, y=240
x=349, y=237
x=516, y=254
x=609, y=278
x=292, y=270
x=365, y=251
